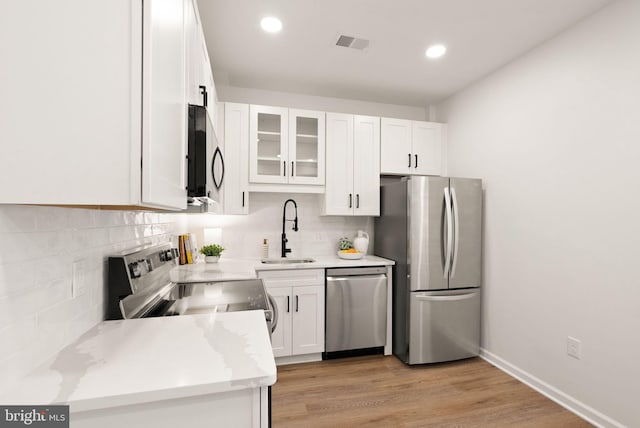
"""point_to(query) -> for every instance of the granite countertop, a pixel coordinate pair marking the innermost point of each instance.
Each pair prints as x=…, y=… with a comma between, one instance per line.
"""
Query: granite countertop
x=230, y=269
x=136, y=361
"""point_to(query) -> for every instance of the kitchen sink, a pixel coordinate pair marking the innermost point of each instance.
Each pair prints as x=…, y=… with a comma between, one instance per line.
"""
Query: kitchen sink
x=284, y=260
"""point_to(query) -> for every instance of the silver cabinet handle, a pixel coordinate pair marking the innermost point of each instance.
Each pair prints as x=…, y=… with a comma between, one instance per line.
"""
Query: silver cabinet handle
x=284, y=166
x=357, y=200
x=292, y=168
x=447, y=208
x=243, y=199
x=288, y=305
x=416, y=165
x=350, y=200
x=409, y=160
x=297, y=305
x=456, y=230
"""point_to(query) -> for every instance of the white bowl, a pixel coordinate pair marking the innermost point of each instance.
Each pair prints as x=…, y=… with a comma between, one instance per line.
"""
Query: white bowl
x=350, y=256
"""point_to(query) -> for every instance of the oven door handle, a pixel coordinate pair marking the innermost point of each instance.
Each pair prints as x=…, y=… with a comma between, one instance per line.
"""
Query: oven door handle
x=274, y=311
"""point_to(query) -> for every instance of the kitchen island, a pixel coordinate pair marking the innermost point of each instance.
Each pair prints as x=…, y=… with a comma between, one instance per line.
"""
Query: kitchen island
x=197, y=370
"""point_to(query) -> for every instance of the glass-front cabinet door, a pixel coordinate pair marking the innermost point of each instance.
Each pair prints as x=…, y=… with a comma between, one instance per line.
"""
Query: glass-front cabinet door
x=268, y=145
x=286, y=146
x=306, y=147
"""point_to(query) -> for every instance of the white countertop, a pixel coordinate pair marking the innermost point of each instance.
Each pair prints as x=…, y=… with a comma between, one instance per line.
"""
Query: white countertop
x=230, y=269
x=224, y=270
x=143, y=360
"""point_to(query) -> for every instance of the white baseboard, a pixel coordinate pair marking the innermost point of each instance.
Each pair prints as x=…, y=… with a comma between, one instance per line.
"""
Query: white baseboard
x=585, y=412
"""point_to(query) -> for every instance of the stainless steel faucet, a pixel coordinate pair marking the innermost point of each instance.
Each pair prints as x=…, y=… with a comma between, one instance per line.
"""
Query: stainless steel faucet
x=286, y=250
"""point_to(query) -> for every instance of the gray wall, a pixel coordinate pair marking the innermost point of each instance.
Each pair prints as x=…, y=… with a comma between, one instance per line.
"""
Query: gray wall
x=556, y=137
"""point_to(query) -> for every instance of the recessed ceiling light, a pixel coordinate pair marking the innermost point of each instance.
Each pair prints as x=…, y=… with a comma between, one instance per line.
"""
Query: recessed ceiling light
x=435, y=51
x=271, y=24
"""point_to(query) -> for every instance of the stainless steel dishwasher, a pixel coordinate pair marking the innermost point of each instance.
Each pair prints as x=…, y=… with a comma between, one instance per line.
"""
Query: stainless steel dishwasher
x=356, y=311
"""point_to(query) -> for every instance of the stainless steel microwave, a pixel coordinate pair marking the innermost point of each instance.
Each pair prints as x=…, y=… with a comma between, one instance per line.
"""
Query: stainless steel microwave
x=205, y=161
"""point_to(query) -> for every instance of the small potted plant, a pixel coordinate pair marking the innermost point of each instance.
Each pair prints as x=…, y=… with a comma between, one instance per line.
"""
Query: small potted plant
x=211, y=253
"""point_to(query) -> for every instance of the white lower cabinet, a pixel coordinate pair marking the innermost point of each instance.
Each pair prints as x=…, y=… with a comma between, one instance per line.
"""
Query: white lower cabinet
x=299, y=296
x=240, y=408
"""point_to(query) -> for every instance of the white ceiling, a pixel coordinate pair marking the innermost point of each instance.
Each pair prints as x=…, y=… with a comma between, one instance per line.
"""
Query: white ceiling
x=481, y=36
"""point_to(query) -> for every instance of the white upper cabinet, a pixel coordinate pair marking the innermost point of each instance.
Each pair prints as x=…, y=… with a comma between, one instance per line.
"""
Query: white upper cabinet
x=286, y=146
x=235, y=194
x=353, y=165
x=201, y=88
x=163, y=105
x=410, y=147
x=427, y=147
x=395, y=146
x=306, y=147
x=111, y=113
x=268, y=144
x=195, y=58
x=366, y=165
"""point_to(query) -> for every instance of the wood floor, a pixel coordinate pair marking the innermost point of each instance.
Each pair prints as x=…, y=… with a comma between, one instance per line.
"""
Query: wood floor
x=383, y=392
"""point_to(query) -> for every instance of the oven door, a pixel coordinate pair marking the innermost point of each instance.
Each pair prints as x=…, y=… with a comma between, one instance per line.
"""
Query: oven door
x=271, y=314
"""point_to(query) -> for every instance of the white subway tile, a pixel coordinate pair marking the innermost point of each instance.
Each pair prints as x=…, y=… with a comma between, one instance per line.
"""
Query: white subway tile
x=17, y=218
x=51, y=218
x=16, y=278
x=81, y=218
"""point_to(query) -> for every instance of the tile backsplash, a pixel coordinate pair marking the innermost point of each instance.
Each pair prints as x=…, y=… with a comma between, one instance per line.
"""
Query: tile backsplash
x=242, y=235
x=53, y=272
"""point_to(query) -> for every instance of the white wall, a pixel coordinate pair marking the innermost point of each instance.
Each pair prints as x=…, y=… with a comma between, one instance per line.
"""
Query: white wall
x=242, y=235
x=312, y=102
x=556, y=137
x=38, y=245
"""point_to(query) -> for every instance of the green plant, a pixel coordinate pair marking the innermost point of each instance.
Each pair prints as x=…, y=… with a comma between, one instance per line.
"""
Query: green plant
x=212, y=250
x=345, y=244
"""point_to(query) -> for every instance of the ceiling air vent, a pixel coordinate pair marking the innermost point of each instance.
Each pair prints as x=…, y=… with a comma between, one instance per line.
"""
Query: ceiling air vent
x=352, y=42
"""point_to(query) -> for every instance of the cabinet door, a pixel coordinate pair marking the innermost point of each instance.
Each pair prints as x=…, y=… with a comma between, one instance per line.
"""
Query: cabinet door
x=194, y=57
x=308, y=319
x=396, y=156
x=427, y=144
x=366, y=165
x=338, y=197
x=236, y=154
x=306, y=147
x=281, y=336
x=164, y=105
x=268, y=144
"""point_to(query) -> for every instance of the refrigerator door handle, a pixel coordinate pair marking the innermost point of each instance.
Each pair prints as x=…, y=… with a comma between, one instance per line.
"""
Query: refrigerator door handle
x=456, y=230
x=450, y=298
x=448, y=248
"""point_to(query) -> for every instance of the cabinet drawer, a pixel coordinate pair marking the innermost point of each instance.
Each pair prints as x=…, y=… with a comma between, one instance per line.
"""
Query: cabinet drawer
x=292, y=278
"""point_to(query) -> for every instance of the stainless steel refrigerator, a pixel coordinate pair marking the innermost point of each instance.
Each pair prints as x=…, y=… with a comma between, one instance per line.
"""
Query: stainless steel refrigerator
x=432, y=228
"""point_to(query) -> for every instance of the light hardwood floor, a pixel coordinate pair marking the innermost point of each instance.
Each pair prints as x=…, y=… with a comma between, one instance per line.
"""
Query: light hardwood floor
x=383, y=392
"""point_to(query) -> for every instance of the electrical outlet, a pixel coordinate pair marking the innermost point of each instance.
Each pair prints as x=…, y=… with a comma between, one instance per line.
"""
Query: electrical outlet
x=573, y=347
x=78, y=278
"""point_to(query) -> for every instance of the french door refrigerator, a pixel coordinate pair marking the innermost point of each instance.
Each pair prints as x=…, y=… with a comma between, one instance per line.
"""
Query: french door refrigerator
x=432, y=228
